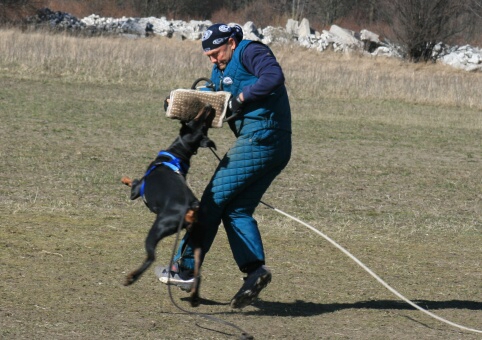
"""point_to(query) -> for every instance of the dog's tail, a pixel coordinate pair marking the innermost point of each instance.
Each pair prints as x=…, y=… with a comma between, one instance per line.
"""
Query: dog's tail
x=135, y=186
x=127, y=181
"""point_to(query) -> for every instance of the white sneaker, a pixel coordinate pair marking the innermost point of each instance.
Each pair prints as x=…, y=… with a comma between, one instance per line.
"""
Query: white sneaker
x=178, y=276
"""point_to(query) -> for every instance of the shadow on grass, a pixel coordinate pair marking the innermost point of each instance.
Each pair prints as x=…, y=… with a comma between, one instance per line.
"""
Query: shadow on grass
x=303, y=308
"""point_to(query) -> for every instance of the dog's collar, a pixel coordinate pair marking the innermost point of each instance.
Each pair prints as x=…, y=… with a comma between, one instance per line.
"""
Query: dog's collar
x=174, y=163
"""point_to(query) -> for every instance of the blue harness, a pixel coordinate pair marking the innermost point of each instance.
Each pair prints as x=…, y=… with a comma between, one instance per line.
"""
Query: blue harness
x=174, y=163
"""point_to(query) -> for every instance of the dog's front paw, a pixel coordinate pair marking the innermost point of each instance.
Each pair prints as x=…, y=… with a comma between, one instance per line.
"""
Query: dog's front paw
x=127, y=181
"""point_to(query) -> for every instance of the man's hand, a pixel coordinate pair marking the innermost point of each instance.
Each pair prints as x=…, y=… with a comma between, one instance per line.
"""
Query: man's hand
x=235, y=105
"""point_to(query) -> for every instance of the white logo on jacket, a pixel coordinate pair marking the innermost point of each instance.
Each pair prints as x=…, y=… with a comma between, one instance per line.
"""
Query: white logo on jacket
x=227, y=81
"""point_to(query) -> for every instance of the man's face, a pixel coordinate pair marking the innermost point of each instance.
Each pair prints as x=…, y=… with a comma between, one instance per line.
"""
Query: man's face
x=222, y=55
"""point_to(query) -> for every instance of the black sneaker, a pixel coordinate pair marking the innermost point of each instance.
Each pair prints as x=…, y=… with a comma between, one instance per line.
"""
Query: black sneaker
x=178, y=276
x=253, y=285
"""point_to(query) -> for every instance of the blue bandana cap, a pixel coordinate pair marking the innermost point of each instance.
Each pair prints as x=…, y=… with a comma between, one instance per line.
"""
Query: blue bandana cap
x=219, y=34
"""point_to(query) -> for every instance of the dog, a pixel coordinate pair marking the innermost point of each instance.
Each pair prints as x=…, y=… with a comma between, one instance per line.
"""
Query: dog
x=165, y=191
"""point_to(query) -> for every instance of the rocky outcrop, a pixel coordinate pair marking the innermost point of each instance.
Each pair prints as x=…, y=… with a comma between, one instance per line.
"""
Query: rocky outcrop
x=336, y=38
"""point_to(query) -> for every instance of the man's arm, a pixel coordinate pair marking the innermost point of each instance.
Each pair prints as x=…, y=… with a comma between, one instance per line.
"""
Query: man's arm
x=260, y=61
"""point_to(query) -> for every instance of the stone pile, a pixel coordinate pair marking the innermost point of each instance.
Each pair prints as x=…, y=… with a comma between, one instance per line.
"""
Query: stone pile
x=337, y=38
x=55, y=20
x=466, y=57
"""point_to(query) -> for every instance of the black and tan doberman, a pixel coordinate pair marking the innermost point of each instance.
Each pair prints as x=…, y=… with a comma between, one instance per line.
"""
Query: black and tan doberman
x=165, y=191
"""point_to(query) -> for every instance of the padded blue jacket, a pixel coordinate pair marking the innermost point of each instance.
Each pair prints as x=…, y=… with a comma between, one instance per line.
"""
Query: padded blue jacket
x=265, y=97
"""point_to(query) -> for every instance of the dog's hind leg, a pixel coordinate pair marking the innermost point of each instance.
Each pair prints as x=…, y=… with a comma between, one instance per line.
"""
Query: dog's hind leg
x=196, y=237
x=135, y=275
x=158, y=231
x=195, y=298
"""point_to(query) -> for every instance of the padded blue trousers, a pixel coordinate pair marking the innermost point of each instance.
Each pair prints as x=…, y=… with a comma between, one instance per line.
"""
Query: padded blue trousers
x=235, y=190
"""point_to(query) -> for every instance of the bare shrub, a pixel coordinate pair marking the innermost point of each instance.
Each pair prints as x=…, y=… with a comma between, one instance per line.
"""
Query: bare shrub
x=418, y=25
x=110, y=8
x=255, y=12
x=13, y=11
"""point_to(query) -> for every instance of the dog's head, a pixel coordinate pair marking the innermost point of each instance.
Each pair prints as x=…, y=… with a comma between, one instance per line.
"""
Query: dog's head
x=195, y=132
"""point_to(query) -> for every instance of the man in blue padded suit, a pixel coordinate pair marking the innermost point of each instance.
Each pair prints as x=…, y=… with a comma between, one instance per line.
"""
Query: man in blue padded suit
x=262, y=126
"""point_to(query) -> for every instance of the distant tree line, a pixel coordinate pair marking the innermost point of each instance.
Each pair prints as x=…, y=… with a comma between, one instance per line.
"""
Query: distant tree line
x=414, y=24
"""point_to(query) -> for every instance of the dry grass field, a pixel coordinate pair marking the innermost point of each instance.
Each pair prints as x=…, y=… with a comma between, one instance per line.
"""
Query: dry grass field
x=387, y=161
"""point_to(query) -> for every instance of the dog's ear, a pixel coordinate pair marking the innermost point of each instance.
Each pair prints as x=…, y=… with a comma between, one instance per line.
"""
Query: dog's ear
x=207, y=143
x=210, y=115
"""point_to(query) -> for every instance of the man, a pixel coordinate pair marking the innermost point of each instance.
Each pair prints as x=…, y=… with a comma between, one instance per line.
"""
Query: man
x=260, y=118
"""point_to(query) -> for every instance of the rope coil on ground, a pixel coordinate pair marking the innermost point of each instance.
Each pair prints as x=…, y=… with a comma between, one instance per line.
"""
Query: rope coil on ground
x=244, y=335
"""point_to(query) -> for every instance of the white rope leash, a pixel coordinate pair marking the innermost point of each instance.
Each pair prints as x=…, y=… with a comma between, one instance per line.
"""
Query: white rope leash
x=369, y=271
